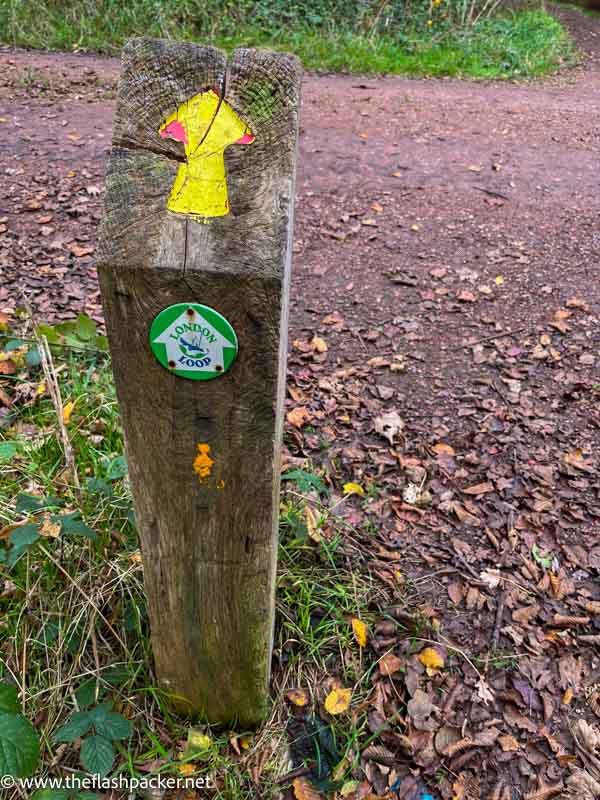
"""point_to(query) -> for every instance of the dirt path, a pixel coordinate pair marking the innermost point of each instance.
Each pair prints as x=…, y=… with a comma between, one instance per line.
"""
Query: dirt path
x=446, y=249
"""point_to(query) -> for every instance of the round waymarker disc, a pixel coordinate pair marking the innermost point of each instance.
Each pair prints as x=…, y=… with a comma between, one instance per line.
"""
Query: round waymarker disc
x=193, y=341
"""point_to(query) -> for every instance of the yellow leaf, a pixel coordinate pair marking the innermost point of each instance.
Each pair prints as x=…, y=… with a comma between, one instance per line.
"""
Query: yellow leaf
x=297, y=697
x=431, y=660
x=338, y=701
x=319, y=344
x=498, y=280
x=136, y=557
x=186, y=769
x=197, y=742
x=361, y=632
x=353, y=488
x=40, y=389
x=67, y=411
x=567, y=697
x=415, y=228
x=312, y=524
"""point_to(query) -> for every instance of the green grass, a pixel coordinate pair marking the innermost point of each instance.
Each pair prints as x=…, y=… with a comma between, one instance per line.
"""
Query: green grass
x=330, y=35
x=73, y=609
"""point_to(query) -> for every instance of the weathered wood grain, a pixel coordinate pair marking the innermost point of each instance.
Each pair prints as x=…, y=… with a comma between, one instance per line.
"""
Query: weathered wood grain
x=209, y=553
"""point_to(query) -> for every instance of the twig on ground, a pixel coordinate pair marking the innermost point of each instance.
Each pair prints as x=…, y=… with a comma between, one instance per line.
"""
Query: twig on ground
x=496, y=336
x=54, y=390
x=492, y=193
x=498, y=621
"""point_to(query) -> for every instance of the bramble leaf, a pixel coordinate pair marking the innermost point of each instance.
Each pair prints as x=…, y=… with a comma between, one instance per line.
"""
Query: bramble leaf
x=19, y=746
x=97, y=755
x=78, y=725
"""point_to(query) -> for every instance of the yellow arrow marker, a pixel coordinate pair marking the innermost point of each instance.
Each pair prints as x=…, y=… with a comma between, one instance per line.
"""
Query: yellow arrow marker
x=206, y=125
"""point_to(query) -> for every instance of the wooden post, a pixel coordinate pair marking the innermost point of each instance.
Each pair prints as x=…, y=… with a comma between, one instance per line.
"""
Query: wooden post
x=198, y=215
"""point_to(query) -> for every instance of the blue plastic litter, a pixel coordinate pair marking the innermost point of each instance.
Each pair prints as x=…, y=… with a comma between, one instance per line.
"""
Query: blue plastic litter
x=396, y=786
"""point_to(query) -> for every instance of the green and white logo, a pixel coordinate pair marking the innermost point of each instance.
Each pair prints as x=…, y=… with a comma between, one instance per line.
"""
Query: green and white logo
x=193, y=341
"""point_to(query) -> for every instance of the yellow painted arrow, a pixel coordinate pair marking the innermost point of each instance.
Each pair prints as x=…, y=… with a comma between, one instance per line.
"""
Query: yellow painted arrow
x=206, y=125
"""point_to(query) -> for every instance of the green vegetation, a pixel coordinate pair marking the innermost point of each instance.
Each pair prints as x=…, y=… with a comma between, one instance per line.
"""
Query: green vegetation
x=414, y=37
x=76, y=687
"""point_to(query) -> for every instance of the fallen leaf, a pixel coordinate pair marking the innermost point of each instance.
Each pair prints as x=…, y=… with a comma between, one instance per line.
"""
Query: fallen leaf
x=298, y=416
x=443, y=449
x=312, y=524
x=7, y=367
x=431, y=660
x=360, y=631
x=197, y=741
x=79, y=251
x=456, y=592
x=297, y=697
x=484, y=690
x=389, y=425
x=544, y=791
x=466, y=296
x=491, y=577
x=304, y=790
x=338, y=701
x=583, y=786
x=421, y=709
x=67, y=411
x=353, y=488
x=389, y=663
x=48, y=528
x=524, y=615
x=480, y=488
x=319, y=344
x=508, y=743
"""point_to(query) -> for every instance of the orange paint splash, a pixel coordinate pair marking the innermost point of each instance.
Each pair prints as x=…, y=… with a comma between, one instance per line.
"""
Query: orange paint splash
x=203, y=463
